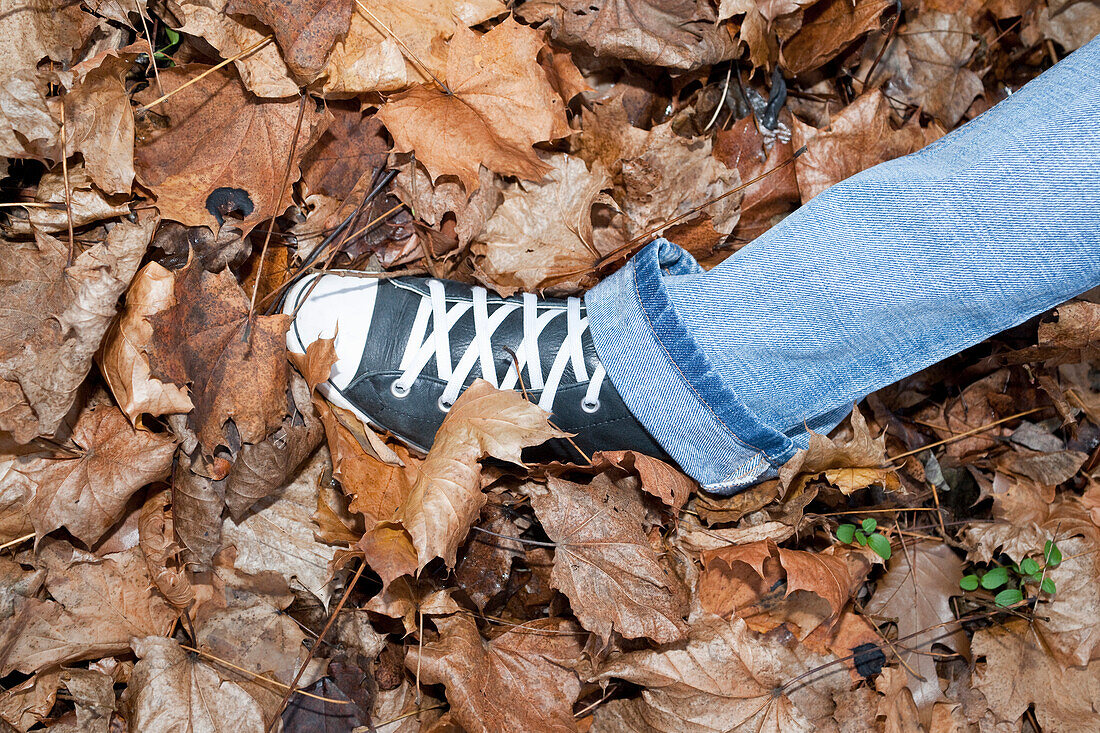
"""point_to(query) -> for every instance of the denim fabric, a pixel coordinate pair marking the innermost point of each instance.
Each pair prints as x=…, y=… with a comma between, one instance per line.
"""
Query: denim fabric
x=876, y=278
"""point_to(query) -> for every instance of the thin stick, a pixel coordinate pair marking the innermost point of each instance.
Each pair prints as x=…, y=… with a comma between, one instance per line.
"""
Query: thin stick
x=722, y=101
x=967, y=434
x=68, y=191
x=17, y=541
x=409, y=714
x=152, y=51
x=879, y=511
x=309, y=657
x=251, y=49
x=33, y=204
x=256, y=676
x=412, y=56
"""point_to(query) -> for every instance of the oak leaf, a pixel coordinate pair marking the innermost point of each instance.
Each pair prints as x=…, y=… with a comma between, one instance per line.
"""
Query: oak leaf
x=54, y=318
x=88, y=492
x=849, y=465
x=521, y=680
x=123, y=359
x=222, y=149
x=305, y=31
x=500, y=103
x=681, y=34
x=172, y=690
x=723, y=677
x=234, y=365
x=603, y=561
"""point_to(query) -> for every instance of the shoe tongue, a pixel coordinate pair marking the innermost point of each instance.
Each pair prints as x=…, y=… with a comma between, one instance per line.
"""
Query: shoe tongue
x=394, y=312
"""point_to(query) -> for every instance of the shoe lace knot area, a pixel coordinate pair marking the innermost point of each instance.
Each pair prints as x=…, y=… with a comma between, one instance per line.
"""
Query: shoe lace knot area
x=422, y=347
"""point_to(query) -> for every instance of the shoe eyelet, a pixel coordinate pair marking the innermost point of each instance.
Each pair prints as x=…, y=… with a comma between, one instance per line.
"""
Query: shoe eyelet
x=444, y=406
x=590, y=407
x=399, y=389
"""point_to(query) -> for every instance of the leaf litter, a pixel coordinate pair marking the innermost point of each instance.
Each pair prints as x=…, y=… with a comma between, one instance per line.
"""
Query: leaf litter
x=193, y=539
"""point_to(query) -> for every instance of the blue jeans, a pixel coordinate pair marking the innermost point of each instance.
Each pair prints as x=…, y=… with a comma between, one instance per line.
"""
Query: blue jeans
x=876, y=278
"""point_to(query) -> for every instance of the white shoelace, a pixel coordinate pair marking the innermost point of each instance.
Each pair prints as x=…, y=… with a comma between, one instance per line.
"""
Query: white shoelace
x=422, y=347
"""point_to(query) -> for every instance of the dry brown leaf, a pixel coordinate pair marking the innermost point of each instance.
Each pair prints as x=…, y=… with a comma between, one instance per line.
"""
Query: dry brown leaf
x=30, y=702
x=223, y=152
x=446, y=498
x=200, y=341
x=603, y=561
x=100, y=121
x=860, y=137
x=123, y=359
x=758, y=26
x=54, y=319
x=410, y=600
x=1018, y=673
x=93, y=696
x=16, y=492
x=849, y=465
x=972, y=409
x=723, y=677
x=543, y=230
x=88, y=203
x=500, y=104
x=27, y=129
x=87, y=492
x=354, y=145
x=157, y=540
x=172, y=690
x=305, y=31
x=431, y=202
x=827, y=28
x=660, y=479
x=33, y=30
x=521, y=680
x=263, y=71
x=681, y=34
x=1070, y=23
x=197, y=504
x=100, y=604
x=916, y=593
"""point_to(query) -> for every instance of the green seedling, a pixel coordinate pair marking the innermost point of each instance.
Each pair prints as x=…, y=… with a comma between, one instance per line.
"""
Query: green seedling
x=173, y=41
x=1011, y=581
x=866, y=536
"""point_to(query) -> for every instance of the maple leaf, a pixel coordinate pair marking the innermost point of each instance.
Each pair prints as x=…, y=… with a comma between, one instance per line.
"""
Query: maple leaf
x=100, y=604
x=681, y=34
x=500, y=103
x=16, y=492
x=757, y=29
x=54, y=317
x=222, y=147
x=351, y=147
x=27, y=129
x=30, y=702
x=916, y=593
x=849, y=465
x=123, y=359
x=521, y=680
x=723, y=677
x=87, y=203
x=860, y=137
x=603, y=561
x=1018, y=673
x=262, y=71
x=235, y=366
x=87, y=493
x=431, y=202
x=371, y=58
x=543, y=230
x=658, y=478
x=1070, y=23
x=305, y=31
x=172, y=690
x=827, y=28
x=446, y=498
x=33, y=30
x=410, y=600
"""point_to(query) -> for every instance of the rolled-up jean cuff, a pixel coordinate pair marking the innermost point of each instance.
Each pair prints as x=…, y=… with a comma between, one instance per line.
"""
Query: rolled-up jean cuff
x=668, y=382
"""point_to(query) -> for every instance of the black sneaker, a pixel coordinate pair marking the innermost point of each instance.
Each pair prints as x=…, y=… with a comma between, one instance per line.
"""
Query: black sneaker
x=399, y=371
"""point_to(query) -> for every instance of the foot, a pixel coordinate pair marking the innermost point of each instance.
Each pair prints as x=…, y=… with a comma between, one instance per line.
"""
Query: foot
x=400, y=372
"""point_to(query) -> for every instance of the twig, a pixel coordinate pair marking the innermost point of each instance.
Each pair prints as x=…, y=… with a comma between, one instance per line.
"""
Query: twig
x=412, y=56
x=251, y=49
x=256, y=676
x=68, y=191
x=17, y=541
x=152, y=51
x=722, y=101
x=967, y=434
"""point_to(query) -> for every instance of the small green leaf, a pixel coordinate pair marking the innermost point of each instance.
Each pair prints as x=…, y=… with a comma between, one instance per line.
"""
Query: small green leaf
x=845, y=532
x=172, y=36
x=1008, y=597
x=995, y=578
x=869, y=525
x=1029, y=566
x=1034, y=577
x=861, y=538
x=880, y=545
x=969, y=582
x=1052, y=554
x=1048, y=586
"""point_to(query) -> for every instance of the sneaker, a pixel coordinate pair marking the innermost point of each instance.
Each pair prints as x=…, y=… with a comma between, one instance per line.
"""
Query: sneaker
x=407, y=347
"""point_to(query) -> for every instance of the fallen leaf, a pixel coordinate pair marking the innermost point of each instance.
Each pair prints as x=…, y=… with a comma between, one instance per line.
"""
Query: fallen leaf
x=201, y=342
x=16, y=492
x=54, y=318
x=87, y=203
x=33, y=30
x=1070, y=23
x=157, y=540
x=353, y=146
x=410, y=600
x=305, y=31
x=93, y=695
x=371, y=58
x=681, y=34
x=849, y=465
x=543, y=230
x=500, y=104
x=25, y=704
x=446, y=498
x=723, y=677
x=100, y=121
x=521, y=680
x=827, y=28
x=431, y=202
x=603, y=562
x=660, y=479
x=916, y=594
x=100, y=604
x=27, y=129
x=172, y=690
x=223, y=151
x=123, y=359
x=87, y=493
x=758, y=26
